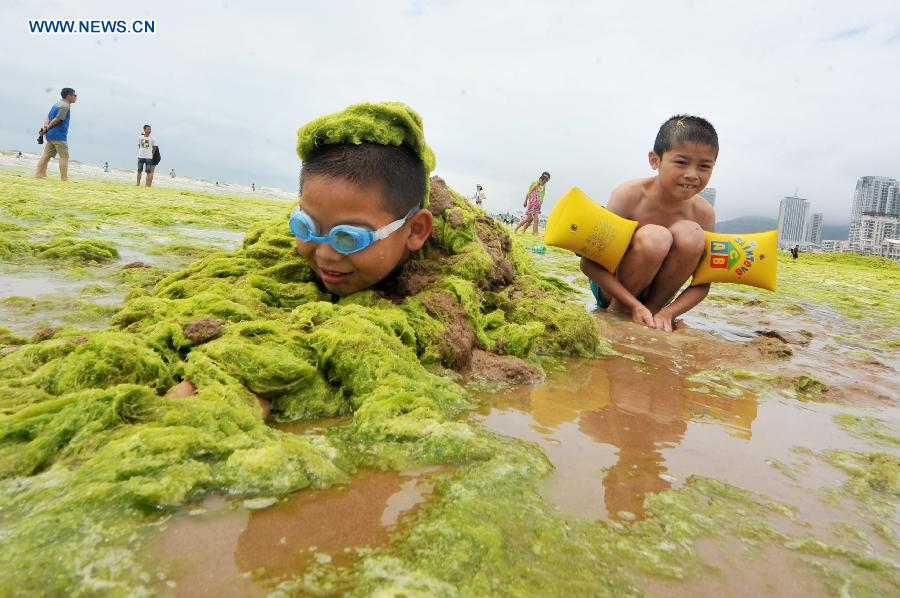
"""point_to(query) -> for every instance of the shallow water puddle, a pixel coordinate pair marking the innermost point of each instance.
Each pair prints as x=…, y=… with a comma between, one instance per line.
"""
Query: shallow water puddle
x=605, y=424
x=25, y=285
x=226, y=549
x=616, y=430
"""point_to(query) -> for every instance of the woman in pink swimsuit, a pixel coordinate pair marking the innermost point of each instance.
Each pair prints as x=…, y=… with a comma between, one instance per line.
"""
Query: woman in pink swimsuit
x=533, y=200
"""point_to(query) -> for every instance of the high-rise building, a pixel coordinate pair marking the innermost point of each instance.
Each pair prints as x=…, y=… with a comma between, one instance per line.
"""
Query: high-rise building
x=792, y=215
x=814, y=229
x=875, y=195
x=709, y=194
x=869, y=230
x=875, y=212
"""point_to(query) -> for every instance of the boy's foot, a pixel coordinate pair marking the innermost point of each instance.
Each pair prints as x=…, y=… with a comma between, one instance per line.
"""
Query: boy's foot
x=616, y=307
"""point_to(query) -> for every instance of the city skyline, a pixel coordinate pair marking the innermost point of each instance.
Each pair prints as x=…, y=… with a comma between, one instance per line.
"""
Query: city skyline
x=874, y=225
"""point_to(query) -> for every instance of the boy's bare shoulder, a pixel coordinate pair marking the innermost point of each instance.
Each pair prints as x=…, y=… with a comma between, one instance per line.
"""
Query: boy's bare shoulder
x=627, y=196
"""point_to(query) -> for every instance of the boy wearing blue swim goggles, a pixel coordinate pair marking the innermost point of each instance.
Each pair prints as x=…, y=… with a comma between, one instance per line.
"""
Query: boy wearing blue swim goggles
x=363, y=182
x=348, y=233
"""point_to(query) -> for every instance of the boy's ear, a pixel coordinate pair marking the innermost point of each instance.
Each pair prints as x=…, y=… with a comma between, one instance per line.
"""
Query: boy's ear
x=420, y=225
x=654, y=160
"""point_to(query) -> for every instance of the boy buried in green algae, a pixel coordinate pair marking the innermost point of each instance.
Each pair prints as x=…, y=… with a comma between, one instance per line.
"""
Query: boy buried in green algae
x=90, y=446
x=368, y=205
x=363, y=188
x=669, y=240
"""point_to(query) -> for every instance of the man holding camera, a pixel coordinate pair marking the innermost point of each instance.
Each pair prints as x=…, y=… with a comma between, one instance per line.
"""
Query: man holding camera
x=56, y=131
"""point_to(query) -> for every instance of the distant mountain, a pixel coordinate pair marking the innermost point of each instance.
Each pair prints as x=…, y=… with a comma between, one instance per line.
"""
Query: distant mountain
x=747, y=224
x=837, y=232
x=754, y=224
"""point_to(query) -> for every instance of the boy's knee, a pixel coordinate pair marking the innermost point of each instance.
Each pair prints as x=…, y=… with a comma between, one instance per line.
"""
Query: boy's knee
x=688, y=237
x=652, y=241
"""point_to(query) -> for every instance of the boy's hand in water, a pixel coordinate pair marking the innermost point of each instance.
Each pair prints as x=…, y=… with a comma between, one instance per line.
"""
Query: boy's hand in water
x=663, y=321
x=642, y=315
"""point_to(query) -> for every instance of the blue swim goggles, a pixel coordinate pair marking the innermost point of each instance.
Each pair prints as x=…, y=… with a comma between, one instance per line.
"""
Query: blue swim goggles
x=344, y=238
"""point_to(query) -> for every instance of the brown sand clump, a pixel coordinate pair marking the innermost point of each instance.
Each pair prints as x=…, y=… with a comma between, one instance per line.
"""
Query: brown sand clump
x=203, y=330
x=503, y=369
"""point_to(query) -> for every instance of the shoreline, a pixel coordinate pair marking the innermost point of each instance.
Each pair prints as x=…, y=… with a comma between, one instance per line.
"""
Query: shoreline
x=28, y=163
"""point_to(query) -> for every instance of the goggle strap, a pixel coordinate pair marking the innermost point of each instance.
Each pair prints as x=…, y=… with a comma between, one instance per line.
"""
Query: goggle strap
x=388, y=229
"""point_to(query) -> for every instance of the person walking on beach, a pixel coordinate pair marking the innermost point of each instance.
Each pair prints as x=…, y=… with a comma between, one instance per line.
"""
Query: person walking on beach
x=479, y=196
x=533, y=200
x=56, y=133
x=172, y=174
x=106, y=167
x=145, y=155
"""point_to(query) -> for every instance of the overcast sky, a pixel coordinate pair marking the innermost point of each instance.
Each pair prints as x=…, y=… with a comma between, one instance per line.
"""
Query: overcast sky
x=804, y=97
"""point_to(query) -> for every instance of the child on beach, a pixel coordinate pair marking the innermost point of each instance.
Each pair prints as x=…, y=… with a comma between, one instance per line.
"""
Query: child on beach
x=669, y=240
x=363, y=183
x=533, y=200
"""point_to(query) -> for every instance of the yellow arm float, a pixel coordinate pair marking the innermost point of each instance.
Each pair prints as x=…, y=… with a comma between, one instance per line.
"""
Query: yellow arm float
x=741, y=259
x=580, y=225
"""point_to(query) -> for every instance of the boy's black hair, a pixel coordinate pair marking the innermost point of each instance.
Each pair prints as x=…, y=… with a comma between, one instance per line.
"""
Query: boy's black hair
x=66, y=91
x=396, y=170
x=146, y=127
x=685, y=128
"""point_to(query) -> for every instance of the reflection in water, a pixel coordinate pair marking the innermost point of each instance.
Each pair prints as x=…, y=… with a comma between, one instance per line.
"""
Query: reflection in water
x=640, y=419
x=215, y=550
x=606, y=423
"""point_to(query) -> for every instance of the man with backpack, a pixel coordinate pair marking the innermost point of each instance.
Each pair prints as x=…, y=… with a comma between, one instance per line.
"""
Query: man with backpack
x=148, y=156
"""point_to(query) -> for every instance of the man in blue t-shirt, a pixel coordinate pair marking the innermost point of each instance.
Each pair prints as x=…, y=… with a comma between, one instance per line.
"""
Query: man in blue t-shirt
x=56, y=132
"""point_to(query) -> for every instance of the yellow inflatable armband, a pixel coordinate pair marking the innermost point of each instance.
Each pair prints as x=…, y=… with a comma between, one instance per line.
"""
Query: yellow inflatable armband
x=580, y=225
x=741, y=259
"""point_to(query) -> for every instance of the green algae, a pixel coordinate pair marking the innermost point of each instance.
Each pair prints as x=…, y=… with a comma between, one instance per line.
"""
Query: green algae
x=742, y=374
x=8, y=338
x=868, y=428
x=90, y=446
x=808, y=386
x=783, y=468
x=69, y=311
x=862, y=288
x=30, y=204
x=278, y=325
x=385, y=123
x=873, y=475
x=719, y=383
x=62, y=250
x=191, y=251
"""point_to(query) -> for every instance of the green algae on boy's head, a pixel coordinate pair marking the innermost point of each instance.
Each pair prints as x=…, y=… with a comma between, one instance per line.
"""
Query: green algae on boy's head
x=387, y=123
x=366, y=167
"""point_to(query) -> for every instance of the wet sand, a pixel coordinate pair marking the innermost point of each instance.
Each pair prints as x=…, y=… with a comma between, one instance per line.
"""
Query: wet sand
x=237, y=549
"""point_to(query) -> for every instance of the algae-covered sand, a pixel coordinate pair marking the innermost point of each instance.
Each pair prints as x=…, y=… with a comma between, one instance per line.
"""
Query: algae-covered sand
x=755, y=448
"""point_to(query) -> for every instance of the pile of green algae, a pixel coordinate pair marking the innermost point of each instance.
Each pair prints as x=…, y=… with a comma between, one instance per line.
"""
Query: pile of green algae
x=94, y=457
x=92, y=452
